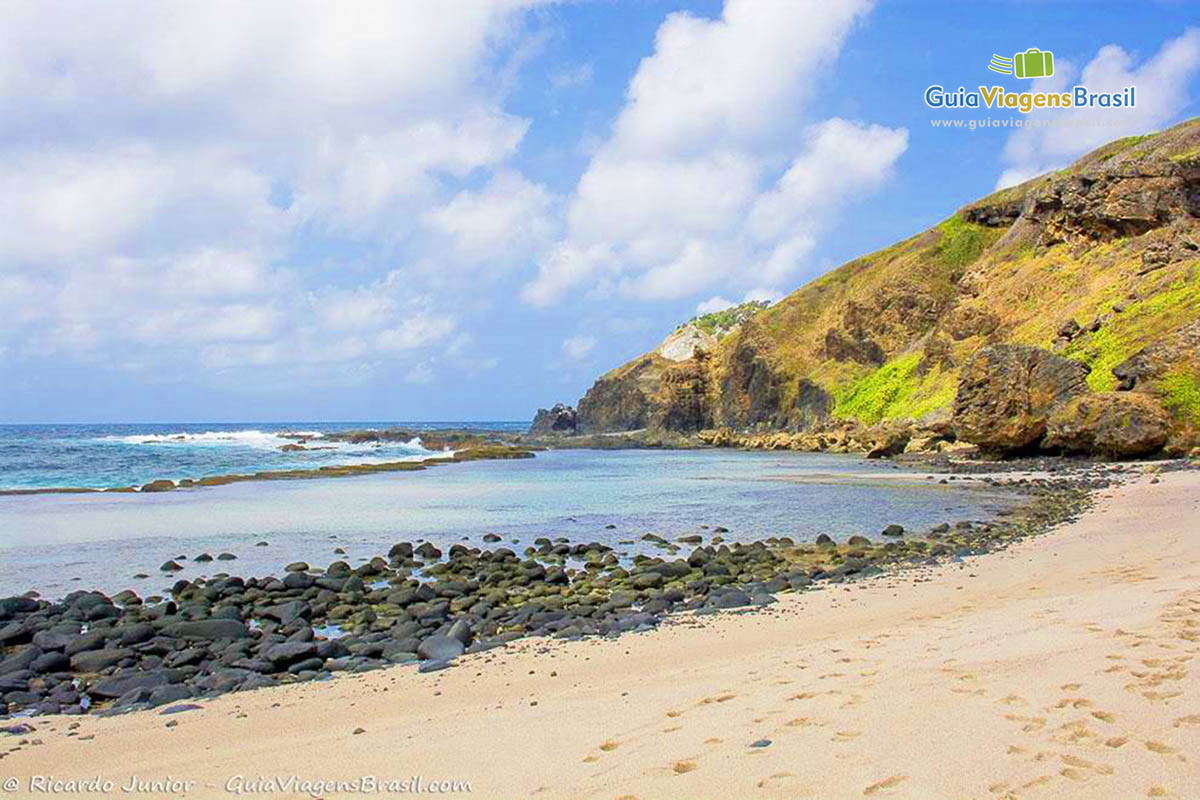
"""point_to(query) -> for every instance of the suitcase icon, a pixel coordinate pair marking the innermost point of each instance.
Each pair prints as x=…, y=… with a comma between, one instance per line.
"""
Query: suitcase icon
x=1034, y=63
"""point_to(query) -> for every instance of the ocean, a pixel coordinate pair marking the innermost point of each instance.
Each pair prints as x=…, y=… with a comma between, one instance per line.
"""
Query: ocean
x=54, y=544
x=105, y=456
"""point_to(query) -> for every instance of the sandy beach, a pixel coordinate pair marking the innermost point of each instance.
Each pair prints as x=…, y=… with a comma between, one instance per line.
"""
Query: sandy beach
x=1058, y=668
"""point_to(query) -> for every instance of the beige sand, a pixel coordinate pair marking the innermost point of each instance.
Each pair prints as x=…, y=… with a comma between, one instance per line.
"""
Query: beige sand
x=1060, y=668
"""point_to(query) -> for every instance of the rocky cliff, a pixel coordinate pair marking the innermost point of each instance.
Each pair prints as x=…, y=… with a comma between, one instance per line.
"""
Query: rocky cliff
x=1095, y=265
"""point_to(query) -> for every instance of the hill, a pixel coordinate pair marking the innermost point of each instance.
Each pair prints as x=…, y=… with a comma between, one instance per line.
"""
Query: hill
x=945, y=335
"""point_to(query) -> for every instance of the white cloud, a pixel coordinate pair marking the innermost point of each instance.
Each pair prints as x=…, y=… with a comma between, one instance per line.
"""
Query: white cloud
x=684, y=196
x=718, y=303
x=415, y=332
x=509, y=218
x=421, y=375
x=162, y=164
x=577, y=347
x=762, y=294
x=563, y=266
x=1162, y=95
x=714, y=304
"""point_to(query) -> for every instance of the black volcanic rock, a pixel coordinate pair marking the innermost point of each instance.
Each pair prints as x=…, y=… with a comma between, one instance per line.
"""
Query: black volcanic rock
x=560, y=419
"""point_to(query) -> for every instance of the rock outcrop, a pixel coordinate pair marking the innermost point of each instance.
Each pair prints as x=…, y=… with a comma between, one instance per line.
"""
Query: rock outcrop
x=1113, y=424
x=1006, y=394
x=562, y=419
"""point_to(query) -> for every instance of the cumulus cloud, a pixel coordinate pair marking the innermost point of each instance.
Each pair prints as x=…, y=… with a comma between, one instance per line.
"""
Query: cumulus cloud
x=714, y=304
x=508, y=218
x=700, y=183
x=1162, y=95
x=155, y=188
x=578, y=347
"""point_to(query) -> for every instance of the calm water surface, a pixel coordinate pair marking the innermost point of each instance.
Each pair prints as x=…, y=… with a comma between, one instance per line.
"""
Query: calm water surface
x=58, y=543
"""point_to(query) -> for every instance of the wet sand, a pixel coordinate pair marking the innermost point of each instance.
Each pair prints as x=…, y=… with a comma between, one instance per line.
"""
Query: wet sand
x=1062, y=667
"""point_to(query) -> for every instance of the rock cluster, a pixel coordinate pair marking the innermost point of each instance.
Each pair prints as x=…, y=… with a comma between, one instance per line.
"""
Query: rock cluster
x=90, y=652
x=1012, y=398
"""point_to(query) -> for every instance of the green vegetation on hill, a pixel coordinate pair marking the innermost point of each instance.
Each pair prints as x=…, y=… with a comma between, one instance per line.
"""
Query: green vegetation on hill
x=1107, y=249
x=720, y=323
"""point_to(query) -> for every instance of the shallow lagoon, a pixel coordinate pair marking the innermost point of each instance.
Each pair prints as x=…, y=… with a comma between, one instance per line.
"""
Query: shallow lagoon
x=58, y=543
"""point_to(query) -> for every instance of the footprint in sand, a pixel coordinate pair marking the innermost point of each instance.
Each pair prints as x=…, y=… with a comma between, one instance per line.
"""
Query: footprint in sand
x=1104, y=716
x=885, y=784
x=712, y=740
x=1160, y=748
x=673, y=714
x=592, y=759
x=776, y=778
x=1031, y=724
x=1191, y=719
x=1073, y=702
x=802, y=696
x=683, y=767
x=723, y=698
x=672, y=729
x=610, y=745
x=1116, y=741
x=1080, y=763
x=845, y=736
x=802, y=722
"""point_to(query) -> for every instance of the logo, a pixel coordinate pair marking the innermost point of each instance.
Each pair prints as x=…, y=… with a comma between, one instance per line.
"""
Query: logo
x=1033, y=63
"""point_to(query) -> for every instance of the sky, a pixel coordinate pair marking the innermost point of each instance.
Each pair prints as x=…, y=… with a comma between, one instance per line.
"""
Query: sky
x=298, y=211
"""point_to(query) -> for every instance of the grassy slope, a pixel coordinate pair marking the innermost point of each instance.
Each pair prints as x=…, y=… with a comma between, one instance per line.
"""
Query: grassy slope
x=1028, y=290
x=1031, y=290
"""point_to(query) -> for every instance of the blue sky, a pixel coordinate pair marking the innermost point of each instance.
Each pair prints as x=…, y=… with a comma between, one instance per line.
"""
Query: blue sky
x=389, y=212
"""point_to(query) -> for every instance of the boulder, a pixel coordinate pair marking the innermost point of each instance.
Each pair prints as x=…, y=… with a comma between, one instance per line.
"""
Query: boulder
x=111, y=688
x=10, y=606
x=50, y=662
x=440, y=648
x=1007, y=392
x=286, y=653
x=96, y=660
x=208, y=629
x=561, y=419
x=1113, y=424
x=21, y=661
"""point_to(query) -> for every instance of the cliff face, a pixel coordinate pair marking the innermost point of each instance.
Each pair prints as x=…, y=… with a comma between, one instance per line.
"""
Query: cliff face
x=1097, y=263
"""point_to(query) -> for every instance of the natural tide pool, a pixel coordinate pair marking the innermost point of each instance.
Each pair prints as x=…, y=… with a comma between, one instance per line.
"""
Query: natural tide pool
x=58, y=543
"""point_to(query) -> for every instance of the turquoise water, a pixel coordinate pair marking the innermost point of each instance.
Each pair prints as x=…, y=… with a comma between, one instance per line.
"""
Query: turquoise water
x=104, y=456
x=58, y=543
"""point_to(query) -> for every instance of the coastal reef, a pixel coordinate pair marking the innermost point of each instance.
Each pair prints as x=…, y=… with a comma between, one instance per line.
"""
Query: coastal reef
x=470, y=447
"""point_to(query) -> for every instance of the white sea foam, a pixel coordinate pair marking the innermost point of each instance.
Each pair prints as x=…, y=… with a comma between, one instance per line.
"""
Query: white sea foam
x=264, y=440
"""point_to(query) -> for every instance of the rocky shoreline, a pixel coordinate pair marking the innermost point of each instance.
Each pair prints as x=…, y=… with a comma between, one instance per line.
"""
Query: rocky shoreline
x=90, y=653
x=474, y=450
